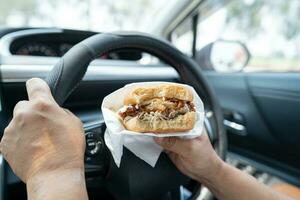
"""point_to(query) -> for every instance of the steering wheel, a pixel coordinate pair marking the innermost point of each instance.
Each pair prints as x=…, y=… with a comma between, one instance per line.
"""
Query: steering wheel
x=135, y=179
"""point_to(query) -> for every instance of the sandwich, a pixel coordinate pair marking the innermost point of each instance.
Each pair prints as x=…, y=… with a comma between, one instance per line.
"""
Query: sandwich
x=160, y=108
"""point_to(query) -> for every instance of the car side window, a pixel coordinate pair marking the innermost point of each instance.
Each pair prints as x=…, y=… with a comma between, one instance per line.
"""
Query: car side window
x=182, y=37
x=270, y=30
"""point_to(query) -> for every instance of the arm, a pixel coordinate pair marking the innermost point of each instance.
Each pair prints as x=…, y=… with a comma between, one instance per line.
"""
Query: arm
x=233, y=184
x=44, y=145
x=197, y=159
x=63, y=184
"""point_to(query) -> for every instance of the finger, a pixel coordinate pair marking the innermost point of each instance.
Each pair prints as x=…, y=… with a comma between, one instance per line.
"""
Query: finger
x=3, y=146
x=9, y=128
x=20, y=105
x=68, y=112
x=203, y=137
x=72, y=114
x=204, y=133
x=173, y=157
x=174, y=144
x=38, y=88
x=4, y=140
x=2, y=150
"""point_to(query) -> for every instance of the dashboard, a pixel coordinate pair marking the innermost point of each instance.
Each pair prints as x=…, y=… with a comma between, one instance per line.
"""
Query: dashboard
x=54, y=43
x=42, y=49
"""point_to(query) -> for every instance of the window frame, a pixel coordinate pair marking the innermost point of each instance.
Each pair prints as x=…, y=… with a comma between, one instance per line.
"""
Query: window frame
x=205, y=9
x=196, y=16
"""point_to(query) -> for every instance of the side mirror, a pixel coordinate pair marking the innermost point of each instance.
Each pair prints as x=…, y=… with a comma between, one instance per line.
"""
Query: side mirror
x=223, y=56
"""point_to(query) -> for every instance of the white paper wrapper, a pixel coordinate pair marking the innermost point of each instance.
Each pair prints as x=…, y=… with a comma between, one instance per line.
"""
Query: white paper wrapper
x=141, y=144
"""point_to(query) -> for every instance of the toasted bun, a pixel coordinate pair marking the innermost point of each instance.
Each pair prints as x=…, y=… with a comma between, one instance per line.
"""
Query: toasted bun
x=180, y=123
x=140, y=94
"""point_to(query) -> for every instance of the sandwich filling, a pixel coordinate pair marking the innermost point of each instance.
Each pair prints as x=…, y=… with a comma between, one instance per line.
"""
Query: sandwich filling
x=157, y=109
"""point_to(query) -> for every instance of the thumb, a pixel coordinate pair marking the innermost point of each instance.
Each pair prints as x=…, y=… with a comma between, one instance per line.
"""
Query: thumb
x=38, y=88
x=174, y=144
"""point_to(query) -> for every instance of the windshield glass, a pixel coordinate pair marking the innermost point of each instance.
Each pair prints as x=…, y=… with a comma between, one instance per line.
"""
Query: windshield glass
x=97, y=15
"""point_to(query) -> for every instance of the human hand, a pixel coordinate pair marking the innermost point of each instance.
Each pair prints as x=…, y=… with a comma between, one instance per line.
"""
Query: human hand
x=42, y=137
x=195, y=158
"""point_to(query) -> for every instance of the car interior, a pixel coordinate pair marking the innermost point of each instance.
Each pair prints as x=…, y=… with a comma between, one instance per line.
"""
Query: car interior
x=242, y=57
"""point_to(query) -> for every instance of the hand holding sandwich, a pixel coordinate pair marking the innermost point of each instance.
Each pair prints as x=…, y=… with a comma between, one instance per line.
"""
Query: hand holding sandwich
x=197, y=159
x=168, y=108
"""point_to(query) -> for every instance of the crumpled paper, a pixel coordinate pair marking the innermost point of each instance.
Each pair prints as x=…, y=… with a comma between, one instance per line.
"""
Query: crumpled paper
x=141, y=144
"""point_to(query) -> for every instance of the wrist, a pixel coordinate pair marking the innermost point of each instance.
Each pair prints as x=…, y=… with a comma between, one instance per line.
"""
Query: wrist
x=41, y=184
x=216, y=170
x=57, y=165
x=53, y=174
x=216, y=181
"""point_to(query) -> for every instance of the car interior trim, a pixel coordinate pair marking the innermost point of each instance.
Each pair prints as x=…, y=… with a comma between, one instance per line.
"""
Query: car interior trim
x=260, y=165
x=179, y=17
x=5, y=41
x=238, y=128
x=12, y=73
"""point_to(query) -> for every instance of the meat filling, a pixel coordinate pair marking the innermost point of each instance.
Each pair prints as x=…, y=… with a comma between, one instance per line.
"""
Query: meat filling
x=159, y=108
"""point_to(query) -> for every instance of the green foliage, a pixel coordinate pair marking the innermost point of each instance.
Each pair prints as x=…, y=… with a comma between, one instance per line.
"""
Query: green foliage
x=247, y=15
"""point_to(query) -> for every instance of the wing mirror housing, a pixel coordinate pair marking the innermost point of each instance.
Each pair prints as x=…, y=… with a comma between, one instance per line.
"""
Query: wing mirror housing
x=223, y=56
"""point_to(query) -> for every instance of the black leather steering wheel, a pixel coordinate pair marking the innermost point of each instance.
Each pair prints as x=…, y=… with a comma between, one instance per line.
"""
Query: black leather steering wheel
x=69, y=71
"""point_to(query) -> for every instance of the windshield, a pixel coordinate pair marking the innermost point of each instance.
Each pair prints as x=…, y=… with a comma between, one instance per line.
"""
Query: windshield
x=96, y=15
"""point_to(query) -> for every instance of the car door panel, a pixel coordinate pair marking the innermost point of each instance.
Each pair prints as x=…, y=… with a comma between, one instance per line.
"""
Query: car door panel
x=234, y=96
x=270, y=106
x=278, y=98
